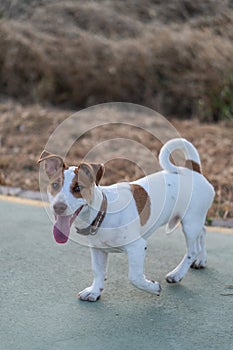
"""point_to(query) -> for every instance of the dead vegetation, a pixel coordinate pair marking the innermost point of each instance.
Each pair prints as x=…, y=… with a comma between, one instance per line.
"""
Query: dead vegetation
x=24, y=132
x=174, y=56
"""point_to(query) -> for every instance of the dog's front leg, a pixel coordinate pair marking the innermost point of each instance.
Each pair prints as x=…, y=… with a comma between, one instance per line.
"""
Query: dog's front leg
x=136, y=254
x=99, y=264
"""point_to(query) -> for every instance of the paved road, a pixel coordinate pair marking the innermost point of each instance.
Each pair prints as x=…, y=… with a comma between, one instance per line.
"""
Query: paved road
x=39, y=280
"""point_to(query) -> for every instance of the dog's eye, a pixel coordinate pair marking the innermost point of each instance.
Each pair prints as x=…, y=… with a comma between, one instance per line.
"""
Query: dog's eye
x=55, y=185
x=78, y=188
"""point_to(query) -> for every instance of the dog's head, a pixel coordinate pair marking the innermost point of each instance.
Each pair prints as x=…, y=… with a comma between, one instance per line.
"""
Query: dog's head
x=70, y=189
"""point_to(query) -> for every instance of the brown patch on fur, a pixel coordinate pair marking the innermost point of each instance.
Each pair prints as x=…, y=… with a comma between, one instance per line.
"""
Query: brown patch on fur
x=56, y=176
x=190, y=164
x=74, y=184
x=142, y=201
x=83, y=179
x=86, y=174
x=56, y=183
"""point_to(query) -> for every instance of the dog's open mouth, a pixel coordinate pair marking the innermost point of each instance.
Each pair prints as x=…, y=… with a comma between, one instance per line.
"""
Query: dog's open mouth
x=61, y=229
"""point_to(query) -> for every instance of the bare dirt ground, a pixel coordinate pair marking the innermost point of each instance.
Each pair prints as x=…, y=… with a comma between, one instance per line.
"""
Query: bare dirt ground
x=24, y=132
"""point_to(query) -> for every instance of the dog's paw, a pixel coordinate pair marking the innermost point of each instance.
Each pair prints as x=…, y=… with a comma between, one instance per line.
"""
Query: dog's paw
x=146, y=285
x=173, y=278
x=199, y=263
x=89, y=294
x=156, y=288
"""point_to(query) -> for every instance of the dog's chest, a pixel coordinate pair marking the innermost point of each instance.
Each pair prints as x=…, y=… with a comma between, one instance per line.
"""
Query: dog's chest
x=121, y=223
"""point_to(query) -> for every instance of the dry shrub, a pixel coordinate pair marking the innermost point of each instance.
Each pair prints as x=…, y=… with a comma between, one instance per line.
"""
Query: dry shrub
x=193, y=69
x=24, y=72
x=173, y=56
x=187, y=10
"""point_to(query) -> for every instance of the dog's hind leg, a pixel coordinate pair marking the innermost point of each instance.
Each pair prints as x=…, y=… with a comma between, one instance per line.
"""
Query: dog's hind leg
x=195, y=249
x=99, y=265
x=201, y=260
x=136, y=255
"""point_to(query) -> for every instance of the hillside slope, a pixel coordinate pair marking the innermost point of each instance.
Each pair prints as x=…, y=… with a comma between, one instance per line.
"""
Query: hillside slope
x=174, y=56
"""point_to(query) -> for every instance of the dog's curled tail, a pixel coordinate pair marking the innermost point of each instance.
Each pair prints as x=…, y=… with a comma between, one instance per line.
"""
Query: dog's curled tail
x=192, y=159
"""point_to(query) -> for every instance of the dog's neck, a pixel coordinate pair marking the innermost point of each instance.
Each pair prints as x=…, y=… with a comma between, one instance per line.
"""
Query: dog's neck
x=90, y=211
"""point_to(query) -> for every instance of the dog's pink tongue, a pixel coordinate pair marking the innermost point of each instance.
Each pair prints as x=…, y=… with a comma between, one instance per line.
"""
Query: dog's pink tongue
x=61, y=229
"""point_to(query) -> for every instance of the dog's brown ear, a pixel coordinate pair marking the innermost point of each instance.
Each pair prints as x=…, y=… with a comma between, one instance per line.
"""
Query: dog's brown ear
x=92, y=171
x=53, y=163
x=98, y=171
x=85, y=174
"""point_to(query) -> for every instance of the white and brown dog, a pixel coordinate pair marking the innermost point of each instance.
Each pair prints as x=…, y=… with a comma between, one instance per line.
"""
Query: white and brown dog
x=122, y=216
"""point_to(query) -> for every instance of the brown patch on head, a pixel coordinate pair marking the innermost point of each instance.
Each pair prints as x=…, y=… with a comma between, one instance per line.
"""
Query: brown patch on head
x=190, y=164
x=86, y=175
x=142, y=201
x=56, y=183
x=77, y=186
x=83, y=182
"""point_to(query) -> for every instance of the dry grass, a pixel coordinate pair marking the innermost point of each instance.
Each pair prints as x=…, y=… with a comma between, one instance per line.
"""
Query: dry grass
x=24, y=132
x=174, y=56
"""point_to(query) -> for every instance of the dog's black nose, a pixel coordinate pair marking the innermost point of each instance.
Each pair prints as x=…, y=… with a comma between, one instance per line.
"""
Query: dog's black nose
x=59, y=208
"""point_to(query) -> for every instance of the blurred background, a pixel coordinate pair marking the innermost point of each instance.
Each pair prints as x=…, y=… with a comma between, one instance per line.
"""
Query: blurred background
x=60, y=56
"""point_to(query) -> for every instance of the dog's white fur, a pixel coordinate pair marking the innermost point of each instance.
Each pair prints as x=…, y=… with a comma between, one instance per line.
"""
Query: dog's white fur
x=176, y=194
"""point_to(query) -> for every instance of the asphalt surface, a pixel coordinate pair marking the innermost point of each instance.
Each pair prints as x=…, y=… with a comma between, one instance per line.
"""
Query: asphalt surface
x=39, y=280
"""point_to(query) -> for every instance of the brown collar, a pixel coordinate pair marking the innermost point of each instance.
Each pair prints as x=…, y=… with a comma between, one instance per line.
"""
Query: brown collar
x=94, y=226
